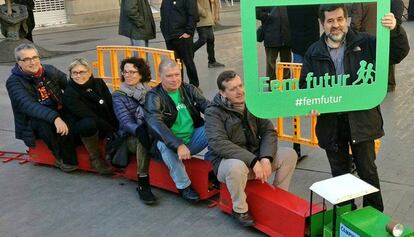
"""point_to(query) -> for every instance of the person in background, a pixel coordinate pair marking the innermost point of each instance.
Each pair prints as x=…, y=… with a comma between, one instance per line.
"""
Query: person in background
x=30, y=21
x=128, y=103
x=136, y=22
x=410, y=10
x=364, y=19
x=205, y=31
x=304, y=31
x=89, y=102
x=277, y=41
x=35, y=92
x=178, y=23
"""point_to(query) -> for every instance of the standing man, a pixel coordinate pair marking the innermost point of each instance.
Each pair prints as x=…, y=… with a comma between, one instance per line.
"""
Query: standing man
x=205, y=31
x=178, y=22
x=339, y=51
x=364, y=19
x=35, y=92
x=173, y=116
x=304, y=31
x=410, y=10
x=242, y=146
x=276, y=30
x=136, y=22
x=30, y=21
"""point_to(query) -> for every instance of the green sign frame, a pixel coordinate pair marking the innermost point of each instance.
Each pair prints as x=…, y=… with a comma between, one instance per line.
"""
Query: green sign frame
x=283, y=103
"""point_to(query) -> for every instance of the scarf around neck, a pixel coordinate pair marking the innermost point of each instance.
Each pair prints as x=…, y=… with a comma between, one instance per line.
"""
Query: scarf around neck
x=137, y=92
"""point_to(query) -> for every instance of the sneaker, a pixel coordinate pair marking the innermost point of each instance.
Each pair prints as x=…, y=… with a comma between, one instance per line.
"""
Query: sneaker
x=215, y=64
x=189, y=194
x=245, y=219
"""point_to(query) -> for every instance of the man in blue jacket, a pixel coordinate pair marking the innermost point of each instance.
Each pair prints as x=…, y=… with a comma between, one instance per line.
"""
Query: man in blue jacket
x=35, y=92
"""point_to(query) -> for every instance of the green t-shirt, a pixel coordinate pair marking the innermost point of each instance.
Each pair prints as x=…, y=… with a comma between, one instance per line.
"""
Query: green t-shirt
x=183, y=126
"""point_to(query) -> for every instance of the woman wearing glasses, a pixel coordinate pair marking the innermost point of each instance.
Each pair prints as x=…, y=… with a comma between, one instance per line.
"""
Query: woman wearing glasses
x=89, y=100
x=128, y=106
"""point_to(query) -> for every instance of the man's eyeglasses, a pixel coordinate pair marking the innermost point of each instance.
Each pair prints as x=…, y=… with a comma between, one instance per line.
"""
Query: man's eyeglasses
x=27, y=60
x=129, y=72
x=80, y=73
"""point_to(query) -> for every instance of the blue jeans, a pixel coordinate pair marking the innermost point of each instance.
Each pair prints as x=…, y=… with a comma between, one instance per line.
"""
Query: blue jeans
x=141, y=43
x=177, y=170
x=297, y=58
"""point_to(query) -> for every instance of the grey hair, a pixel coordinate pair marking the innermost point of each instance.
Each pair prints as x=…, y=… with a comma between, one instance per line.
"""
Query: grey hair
x=167, y=63
x=21, y=47
x=79, y=61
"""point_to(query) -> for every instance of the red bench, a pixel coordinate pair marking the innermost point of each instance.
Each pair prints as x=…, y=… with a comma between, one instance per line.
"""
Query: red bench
x=276, y=212
x=198, y=170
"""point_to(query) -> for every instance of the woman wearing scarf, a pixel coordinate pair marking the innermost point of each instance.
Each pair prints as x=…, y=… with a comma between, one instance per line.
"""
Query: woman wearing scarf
x=128, y=106
x=89, y=101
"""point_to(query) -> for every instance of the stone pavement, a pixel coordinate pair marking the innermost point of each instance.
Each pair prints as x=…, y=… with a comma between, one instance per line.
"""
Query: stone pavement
x=42, y=201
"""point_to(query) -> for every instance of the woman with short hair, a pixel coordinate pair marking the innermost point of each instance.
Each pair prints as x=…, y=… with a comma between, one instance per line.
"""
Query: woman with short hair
x=89, y=101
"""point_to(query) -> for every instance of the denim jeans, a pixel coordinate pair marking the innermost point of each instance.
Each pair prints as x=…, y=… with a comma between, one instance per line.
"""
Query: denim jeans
x=297, y=58
x=177, y=170
x=140, y=43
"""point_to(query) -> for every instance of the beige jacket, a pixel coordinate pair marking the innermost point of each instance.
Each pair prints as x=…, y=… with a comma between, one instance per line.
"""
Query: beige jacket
x=208, y=12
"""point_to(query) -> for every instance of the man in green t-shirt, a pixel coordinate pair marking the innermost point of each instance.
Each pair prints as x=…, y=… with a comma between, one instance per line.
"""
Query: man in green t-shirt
x=173, y=116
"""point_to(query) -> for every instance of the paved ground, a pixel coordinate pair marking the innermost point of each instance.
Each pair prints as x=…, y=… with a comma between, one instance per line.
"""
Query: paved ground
x=42, y=201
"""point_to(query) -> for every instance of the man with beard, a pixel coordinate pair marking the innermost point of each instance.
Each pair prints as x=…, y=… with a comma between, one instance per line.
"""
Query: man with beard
x=339, y=51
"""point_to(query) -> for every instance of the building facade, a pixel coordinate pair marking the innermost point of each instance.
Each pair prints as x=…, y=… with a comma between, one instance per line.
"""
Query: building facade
x=80, y=12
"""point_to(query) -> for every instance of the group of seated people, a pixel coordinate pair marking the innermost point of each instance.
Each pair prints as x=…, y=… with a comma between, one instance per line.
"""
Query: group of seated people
x=164, y=122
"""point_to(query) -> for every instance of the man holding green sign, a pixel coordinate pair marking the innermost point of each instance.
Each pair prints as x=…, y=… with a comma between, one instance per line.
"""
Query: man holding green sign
x=344, y=58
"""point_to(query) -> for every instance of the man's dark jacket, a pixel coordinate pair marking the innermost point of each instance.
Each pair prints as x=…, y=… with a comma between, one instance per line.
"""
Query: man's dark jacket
x=304, y=27
x=364, y=125
x=234, y=135
x=136, y=20
x=178, y=17
x=275, y=25
x=161, y=112
x=23, y=96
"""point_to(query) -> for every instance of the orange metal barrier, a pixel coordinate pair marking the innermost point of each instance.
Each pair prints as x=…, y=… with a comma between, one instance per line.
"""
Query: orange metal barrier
x=296, y=136
x=109, y=57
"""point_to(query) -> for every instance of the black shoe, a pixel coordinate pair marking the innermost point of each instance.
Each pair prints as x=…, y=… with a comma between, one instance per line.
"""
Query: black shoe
x=189, y=194
x=144, y=191
x=65, y=167
x=245, y=219
x=215, y=64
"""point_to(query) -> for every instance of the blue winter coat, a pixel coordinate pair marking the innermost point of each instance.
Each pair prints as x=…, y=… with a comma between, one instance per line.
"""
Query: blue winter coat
x=124, y=108
x=24, y=101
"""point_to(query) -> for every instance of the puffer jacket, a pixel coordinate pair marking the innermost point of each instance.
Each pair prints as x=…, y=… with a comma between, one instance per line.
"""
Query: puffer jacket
x=136, y=20
x=161, y=112
x=91, y=100
x=124, y=108
x=365, y=125
x=178, y=17
x=24, y=101
x=233, y=135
